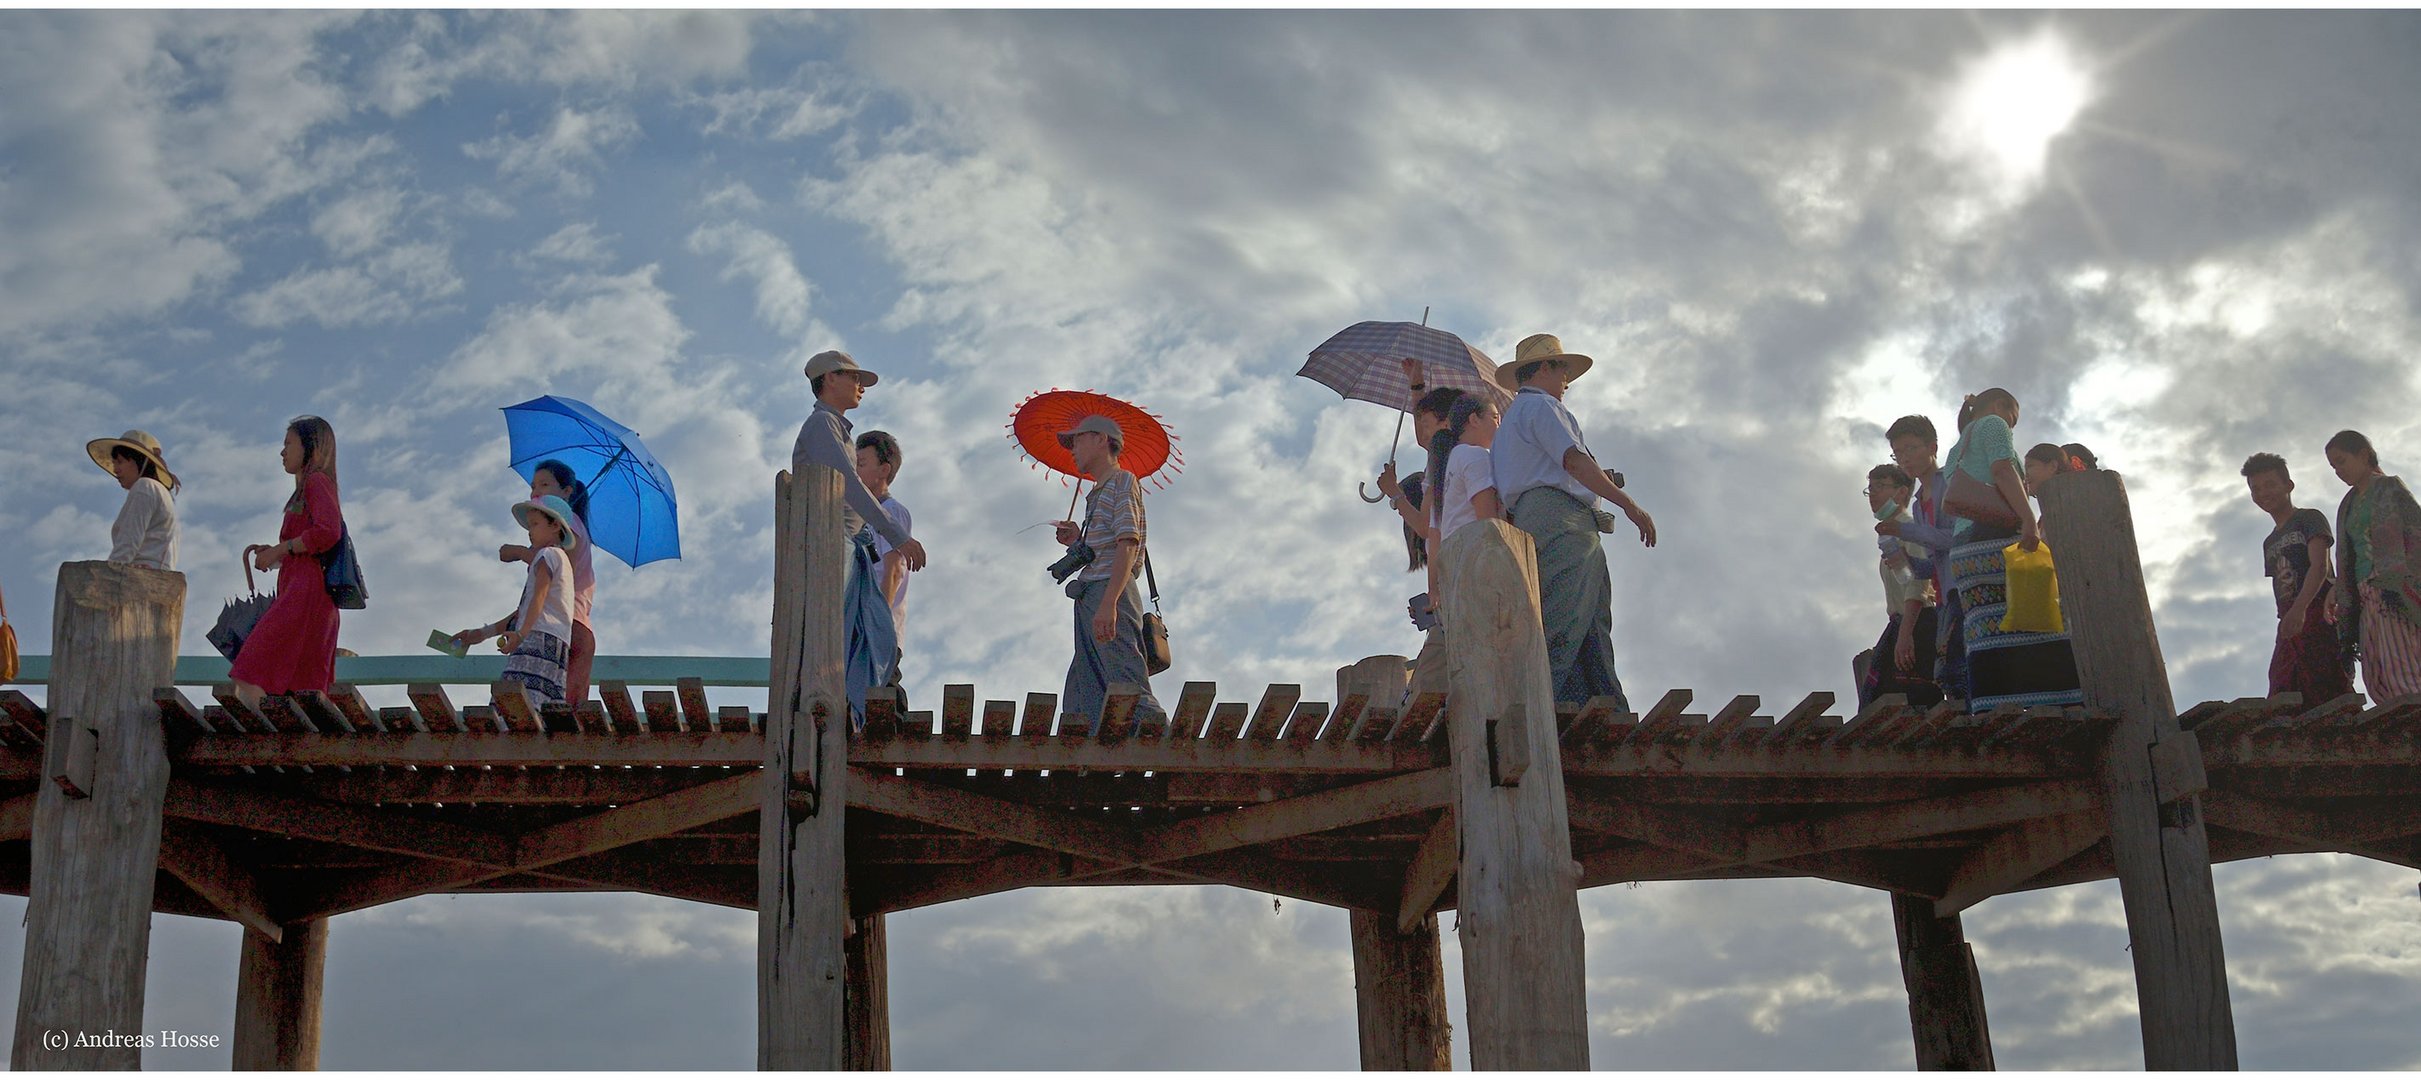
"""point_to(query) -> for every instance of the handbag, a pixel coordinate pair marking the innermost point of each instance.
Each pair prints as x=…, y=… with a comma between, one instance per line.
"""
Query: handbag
x=1156, y=655
x=1978, y=501
x=343, y=574
x=8, y=644
x=236, y=620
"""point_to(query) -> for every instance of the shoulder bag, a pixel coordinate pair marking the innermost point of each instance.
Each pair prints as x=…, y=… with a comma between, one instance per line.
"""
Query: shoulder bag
x=343, y=574
x=1156, y=654
x=1978, y=501
x=8, y=645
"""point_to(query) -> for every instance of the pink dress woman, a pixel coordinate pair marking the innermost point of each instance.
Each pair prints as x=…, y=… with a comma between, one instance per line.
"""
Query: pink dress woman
x=294, y=646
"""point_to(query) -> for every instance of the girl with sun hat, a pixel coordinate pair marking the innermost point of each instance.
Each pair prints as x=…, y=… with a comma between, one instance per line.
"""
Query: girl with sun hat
x=145, y=533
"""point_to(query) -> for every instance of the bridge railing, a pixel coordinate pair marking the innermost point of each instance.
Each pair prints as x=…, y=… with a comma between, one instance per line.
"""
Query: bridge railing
x=734, y=671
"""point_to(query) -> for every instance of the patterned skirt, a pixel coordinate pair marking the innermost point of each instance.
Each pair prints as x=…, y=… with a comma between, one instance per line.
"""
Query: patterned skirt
x=2391, y=650
x=538, y=666
x=2005, y=667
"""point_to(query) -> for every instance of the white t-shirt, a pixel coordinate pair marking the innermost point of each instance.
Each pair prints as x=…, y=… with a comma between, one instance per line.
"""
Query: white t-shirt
x=145, y=533
x=899, y=602
x=1468, y=472
x=554, y=616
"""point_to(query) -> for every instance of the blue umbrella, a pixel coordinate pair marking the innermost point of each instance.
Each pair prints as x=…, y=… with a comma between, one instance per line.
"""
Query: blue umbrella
x=631, y=511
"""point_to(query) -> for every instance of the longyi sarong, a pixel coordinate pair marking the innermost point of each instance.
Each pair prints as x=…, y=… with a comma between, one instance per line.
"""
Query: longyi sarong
x=2005, y=667
x=2391, y=650
x=873, y=642
x=1575, y=595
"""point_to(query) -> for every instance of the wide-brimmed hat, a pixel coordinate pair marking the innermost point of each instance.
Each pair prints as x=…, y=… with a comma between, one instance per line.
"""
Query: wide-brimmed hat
x=831, y=360
x=552, y=506
x=1539, y=347
x=1098, y=424
x=139, y=442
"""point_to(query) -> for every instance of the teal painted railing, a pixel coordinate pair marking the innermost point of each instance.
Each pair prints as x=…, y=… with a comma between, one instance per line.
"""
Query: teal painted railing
x=471, y=670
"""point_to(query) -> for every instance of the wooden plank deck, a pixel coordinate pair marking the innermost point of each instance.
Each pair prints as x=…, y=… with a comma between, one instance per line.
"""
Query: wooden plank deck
x=336, y=805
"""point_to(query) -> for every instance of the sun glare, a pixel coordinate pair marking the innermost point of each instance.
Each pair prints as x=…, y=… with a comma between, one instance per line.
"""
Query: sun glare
x=2009, y=105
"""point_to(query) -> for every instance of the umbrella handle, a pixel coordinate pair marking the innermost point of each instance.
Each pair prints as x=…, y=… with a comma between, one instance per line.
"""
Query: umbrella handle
x=1364, y=488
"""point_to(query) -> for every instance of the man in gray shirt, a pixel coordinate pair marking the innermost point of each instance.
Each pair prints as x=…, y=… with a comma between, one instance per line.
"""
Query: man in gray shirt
x=1550, y=484
x=840, y=385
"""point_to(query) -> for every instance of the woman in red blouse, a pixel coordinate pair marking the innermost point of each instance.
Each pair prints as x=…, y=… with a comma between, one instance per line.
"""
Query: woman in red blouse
x=293, y=647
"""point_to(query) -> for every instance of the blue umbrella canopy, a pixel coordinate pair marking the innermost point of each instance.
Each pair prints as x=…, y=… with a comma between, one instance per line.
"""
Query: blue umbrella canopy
x=631, y=510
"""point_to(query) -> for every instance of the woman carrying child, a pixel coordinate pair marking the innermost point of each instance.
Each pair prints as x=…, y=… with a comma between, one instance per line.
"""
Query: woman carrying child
x=538, y=634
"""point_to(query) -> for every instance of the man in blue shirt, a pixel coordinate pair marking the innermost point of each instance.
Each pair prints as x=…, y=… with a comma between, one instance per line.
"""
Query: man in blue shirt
x=1550, y=483
x=839, y=386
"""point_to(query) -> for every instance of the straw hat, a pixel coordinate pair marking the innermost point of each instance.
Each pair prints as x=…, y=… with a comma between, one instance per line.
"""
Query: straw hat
x=1538, y=347
x=1097, y=424
x=141, y=443
x=831, y=360
x=552, y=506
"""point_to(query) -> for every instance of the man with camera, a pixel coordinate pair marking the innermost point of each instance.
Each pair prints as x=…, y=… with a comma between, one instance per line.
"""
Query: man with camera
x=839, y=386
x=1551, y=483
x=1105, y=552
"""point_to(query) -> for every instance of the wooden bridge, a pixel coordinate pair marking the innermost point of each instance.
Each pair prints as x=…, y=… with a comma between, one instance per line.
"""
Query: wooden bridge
x=1390, y=802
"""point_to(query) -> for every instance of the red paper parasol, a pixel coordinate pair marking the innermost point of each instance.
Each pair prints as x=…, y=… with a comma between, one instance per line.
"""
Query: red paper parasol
x=1150, y=451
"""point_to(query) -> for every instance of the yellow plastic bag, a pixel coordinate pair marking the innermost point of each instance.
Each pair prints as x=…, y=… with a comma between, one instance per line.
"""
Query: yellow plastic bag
x=2034, y=591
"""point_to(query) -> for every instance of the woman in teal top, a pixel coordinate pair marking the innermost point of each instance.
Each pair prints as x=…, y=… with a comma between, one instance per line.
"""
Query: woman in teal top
x=2378, y=608
x=1987, y=665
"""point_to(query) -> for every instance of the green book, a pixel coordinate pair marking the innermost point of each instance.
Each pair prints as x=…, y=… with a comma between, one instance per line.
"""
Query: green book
x=448, y=644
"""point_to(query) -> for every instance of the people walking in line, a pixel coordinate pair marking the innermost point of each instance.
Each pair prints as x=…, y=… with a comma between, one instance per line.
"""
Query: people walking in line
x=1550, y=482
x=555, y=478
x=2377, y=607
x=1988, y=501
x=293, y=647
x=145, y=532
x=1109, y=605
x=2305, y=657
x=1902, y=661
x=840, y=385
x=537, y=636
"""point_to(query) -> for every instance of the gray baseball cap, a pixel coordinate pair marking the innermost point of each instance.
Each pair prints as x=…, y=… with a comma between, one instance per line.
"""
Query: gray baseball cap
x=831, y=360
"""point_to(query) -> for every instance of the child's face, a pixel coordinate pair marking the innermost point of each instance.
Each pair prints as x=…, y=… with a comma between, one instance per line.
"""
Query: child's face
x=871, y=470
x=1913, y=454
x=1882, y=493
x=1480, y=430
x=543, y=530
x=2271, y=490
x=2037, y=472
x=543, y=485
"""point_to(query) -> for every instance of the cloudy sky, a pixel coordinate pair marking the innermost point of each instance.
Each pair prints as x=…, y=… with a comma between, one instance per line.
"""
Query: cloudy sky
x=2180, y=238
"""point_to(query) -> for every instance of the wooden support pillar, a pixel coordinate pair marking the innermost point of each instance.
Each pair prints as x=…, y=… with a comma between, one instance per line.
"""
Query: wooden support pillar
x=2150, y=773
x=1945, y=995
x=869, y=996
x=277, y=997
x=1517, y=899
x=802, y=908
x=88, y=905
x=1399, y=992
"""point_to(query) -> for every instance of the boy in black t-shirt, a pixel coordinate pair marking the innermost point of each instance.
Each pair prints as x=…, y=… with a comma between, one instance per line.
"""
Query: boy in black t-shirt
x=2306, y=657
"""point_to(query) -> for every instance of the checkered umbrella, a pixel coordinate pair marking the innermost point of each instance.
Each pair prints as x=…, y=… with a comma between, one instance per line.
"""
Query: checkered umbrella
x=1365, y=362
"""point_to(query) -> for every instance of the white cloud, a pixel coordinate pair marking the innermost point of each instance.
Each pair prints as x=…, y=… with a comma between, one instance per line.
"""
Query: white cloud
x=565, y=153
x=385, y=288
x=578, y=244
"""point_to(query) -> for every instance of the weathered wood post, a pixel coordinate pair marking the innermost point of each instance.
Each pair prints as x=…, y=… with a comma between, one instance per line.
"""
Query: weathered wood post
x=1945, y=993
x=88, y=904
x=2151, y=773
x=1399, y=973
x=1518, y=903
x=277, y=998
x=869, y=995
x=802, y=909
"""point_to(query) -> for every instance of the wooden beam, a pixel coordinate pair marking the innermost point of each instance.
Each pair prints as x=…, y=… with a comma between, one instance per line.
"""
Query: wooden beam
x=802, y=895
x=205, y=867
x=1399, y=991
x=1523, y=983
x=2156, y=835
x=473, y=749
x=1431, y=870
x=983, y=815
x=2012, y=855
x=2325, y=829
x=1372, y=800
x=17, y=816
x=94, y=860
x=868, y=988
x=395, y=832
x=277, y=998
x=1945, y=994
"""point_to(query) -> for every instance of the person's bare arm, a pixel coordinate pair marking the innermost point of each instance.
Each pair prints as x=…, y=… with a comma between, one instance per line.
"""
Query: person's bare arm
x=1591, y=475
x=1122, y=569
x=894, y=575
x=542, y=581
x=2291, y=623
